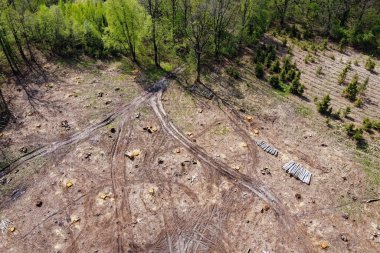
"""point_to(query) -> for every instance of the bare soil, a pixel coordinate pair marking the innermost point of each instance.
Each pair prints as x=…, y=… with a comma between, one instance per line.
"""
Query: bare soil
x=199, y=182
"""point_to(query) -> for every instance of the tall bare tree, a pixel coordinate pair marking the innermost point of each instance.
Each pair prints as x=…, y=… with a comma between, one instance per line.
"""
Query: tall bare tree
x=199, y=32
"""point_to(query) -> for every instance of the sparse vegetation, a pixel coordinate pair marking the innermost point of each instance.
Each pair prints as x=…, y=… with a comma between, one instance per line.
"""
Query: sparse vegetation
x=304, y=111
x=346, y=111
x=342, y=45
x=233, y=72
x=296, y=87
x=259, y=70
x=276, y=67
x=352, y=90
x=319, y=71
x=161, y=101
x=264, y=58
x=354, y=132
x=324, y=107
x=343, y=75
x=367, y=124
x=274, y=81
x=358, y=102
x=325, y=44
x=284, y=42
x=370, y=65
x=363, y=86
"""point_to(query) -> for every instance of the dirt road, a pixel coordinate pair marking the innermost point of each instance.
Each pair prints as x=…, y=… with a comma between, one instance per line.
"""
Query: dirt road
x=121, y=187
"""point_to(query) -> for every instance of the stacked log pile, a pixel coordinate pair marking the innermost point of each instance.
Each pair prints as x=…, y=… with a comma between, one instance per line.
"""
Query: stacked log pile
x=298, y=171
x=267, y=148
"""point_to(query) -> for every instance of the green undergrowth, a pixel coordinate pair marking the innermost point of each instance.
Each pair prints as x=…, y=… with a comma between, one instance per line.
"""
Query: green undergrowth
x=371, y=167
x=303, y=111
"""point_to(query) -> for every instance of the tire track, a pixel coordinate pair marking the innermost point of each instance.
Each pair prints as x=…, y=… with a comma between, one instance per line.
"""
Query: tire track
x=76, y=137
x=253, y=185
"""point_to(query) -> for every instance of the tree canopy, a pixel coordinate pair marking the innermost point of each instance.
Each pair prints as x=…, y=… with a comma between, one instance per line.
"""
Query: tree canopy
x=152, y=31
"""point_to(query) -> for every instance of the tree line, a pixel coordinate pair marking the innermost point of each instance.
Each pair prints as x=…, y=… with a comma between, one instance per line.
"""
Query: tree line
x=155, y=31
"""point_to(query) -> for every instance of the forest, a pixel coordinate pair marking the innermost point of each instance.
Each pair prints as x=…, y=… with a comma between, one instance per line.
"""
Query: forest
x=160, y=32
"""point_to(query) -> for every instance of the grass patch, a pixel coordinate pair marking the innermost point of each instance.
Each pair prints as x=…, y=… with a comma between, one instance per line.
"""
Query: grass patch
x=4, y=164
x=166, y=66
x=303, y=111
x=222, y=130
x=370, y=167
x=126, y=66
x=154, y=74
x=283, y=90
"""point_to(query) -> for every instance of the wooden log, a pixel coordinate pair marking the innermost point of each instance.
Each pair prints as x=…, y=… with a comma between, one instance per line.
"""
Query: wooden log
x=304, y=179
x=288, y=165
x=301, y=170
x=302, y=176
x=292, y=168
x=308, y=179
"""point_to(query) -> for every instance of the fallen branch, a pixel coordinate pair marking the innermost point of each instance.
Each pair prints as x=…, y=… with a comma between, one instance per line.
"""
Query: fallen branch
x=371, y=200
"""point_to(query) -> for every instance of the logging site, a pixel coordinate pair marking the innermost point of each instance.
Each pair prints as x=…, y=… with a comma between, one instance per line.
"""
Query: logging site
x=247, y=126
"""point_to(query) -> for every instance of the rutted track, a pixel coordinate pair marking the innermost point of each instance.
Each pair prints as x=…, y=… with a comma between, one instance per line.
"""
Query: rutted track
x=88, y=131
x=253, y=185
x=288, y=223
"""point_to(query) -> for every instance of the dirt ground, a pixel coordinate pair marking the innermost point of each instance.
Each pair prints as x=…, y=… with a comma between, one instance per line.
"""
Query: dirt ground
x=167, y=170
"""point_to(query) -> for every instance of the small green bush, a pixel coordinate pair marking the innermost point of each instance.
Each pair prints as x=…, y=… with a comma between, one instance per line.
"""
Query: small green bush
x=346, y=111
x=233, y=72
x=325, y=44
x=296, y=87
x=358, y=136
x=259, y=70
x=284, y=42
x=324, y=107
x=350, y=129
x=358, y=102
x=283, y=75
x=343, y=75
x=275, y=68
x=376, y=125
x=353, y=132
x=290, y=75
x=367, y=124
x=306, y=59
x=274, y=81
x=319, y=71
x=362, y=87
x=352, y=90
x=342, y=45
x=309, y=58
x=287, y=64
x=370, y=65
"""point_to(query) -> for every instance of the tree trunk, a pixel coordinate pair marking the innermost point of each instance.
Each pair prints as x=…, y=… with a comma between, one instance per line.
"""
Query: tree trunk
x=198, y=67
x=4, y=112
x=174, y=13
x=8, y=54
x=156, y=62
x=243, y=21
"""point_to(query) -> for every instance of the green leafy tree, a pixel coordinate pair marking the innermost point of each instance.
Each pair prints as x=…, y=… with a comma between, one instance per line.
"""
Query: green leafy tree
x=127, y=25
x=199, y=32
